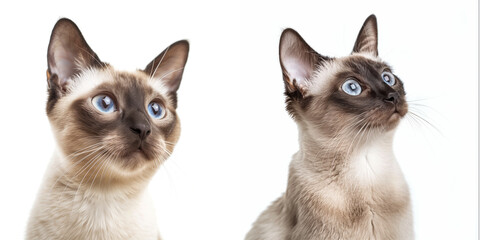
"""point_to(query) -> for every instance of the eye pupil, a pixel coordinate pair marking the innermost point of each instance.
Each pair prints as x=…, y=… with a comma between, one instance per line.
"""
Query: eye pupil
x=155, y=110
x=106, y=101
x=388, y=78
x=352, y=87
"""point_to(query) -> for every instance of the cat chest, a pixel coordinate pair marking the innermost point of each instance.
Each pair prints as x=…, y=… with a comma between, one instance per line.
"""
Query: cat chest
x=371, y=222
x=109, y=219
x=335, y=210
x=373, y=217
x=359, y=222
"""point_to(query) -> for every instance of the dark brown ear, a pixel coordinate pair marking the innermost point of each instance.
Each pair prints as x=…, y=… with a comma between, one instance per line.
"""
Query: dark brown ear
x=68, y=54
x=168, y=66
x=367, y=39
x=298, y=61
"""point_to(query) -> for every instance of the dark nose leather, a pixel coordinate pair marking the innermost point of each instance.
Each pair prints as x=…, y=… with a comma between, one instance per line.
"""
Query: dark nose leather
x=392, y=98
x=139, y=125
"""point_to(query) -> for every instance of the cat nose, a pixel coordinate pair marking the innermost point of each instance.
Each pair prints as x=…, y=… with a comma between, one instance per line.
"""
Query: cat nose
x=392, y=98
x=141, y=129
x=139, y=125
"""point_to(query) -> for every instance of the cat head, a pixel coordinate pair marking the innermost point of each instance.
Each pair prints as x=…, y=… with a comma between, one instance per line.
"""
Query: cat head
x=333, y=97
x=108, y=122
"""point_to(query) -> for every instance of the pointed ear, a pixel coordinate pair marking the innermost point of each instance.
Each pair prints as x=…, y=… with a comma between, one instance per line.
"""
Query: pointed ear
x=298, y=61
x=68, y=54
x=367, y=39
x=168, y=66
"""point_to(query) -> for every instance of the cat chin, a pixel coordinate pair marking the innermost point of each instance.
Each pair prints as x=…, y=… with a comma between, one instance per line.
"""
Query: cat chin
x=137, y=159
x=388, y=124
x=395, y=117
x=137, y=153
x=140, y=154
x=386, y=120
x=393, y=122
x=133, y=166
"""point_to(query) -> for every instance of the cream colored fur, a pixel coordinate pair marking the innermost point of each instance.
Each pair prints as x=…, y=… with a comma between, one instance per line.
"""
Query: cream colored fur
x=344, y=182
x=369, y=200
x=69, y=205
x=113, y=130
x=60, y=213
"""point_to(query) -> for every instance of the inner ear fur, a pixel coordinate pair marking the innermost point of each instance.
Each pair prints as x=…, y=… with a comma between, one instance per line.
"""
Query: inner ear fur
x=169, y=65
x=367, y=39
x=68, y=54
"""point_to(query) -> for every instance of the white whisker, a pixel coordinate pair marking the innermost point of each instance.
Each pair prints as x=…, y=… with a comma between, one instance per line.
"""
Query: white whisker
x=165, y=75
x=158, y=65
x=90, y=151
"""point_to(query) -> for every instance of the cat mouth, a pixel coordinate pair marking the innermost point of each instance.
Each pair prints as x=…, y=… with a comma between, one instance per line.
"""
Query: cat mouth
x=387, y=118
x=400, y=110
x=396, y=116
x=138, y=152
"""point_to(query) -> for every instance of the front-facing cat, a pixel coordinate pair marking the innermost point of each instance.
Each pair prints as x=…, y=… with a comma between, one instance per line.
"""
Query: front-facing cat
x=113, y=130
x=344, y=182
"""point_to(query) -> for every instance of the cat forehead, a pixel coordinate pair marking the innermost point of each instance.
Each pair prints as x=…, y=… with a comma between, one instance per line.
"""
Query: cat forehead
x=114, y=80
x=334, y=70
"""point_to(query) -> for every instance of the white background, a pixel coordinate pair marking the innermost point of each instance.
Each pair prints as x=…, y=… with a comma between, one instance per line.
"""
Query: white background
x=237, y=139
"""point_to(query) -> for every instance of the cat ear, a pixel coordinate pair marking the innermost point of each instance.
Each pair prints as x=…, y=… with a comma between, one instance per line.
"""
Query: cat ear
x=168, y=66
x=367, y=39
x=298, y=61
x=68, y=54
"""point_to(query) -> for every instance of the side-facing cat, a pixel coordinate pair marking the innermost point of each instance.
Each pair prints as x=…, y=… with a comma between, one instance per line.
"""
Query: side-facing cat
x=113, y=130
x=344, y=182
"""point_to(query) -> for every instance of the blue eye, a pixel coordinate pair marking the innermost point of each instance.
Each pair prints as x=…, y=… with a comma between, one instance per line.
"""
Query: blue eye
x=156, y=110
x=104, y=103
x=388, y=78
x=351, y=87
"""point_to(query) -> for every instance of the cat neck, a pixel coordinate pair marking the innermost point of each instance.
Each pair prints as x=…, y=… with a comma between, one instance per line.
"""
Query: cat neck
x=87, y=211
x=355, y=161
x=93, y=185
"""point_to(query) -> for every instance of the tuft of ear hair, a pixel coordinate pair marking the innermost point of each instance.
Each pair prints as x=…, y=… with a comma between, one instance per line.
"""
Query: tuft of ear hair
x=367, y=39
x=168, y=66
x=68, y=54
